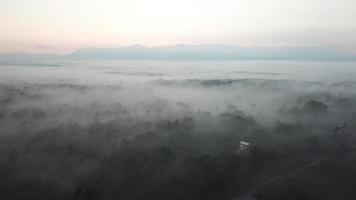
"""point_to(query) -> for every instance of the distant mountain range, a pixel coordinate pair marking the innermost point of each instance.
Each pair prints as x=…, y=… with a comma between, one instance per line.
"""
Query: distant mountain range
x=191, y=52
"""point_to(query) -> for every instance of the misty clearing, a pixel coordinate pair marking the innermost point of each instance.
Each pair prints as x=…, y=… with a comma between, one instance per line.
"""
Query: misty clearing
x=134, y=130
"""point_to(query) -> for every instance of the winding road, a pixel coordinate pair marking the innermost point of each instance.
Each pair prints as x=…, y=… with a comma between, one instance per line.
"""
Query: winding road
x=248, y=195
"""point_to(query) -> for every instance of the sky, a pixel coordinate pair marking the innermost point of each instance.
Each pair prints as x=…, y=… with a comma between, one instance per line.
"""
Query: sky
x=62, y=26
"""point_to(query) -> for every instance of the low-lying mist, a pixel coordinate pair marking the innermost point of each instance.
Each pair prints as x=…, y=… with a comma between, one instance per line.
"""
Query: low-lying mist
x=167, y=130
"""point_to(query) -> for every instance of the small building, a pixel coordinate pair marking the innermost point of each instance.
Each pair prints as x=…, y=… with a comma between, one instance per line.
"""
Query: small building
x=244, y=146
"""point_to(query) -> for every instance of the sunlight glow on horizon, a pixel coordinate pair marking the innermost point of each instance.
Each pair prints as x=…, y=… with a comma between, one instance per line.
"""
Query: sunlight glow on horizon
x=62, y=26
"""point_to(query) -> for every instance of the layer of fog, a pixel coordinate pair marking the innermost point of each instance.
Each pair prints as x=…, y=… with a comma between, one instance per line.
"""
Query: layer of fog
x=259, y=89
x=92, y=109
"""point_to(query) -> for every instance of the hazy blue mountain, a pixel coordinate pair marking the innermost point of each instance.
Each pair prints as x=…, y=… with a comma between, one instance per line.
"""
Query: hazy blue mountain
x=186, y=52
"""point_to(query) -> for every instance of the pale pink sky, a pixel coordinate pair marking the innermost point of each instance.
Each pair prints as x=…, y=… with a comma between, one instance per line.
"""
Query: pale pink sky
x=61, y=26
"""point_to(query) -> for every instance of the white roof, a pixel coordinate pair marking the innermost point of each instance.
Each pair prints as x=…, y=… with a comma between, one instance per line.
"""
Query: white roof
x=244, y=143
